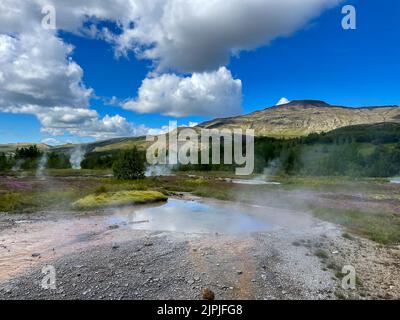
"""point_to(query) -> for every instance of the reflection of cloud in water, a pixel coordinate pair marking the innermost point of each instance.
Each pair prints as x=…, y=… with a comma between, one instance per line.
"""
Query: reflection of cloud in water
x=192, y=217
x=395, y=180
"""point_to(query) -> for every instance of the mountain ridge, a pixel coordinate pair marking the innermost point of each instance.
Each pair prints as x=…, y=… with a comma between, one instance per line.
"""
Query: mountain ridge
x=294, y=119
x=303, y=117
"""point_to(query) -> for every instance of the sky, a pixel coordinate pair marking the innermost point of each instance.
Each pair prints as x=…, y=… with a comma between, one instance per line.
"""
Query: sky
x=118, y=68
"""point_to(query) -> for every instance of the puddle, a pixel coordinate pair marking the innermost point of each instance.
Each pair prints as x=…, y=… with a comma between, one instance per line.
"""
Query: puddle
x=254, y=182
x=193, y=217
x=31, y=243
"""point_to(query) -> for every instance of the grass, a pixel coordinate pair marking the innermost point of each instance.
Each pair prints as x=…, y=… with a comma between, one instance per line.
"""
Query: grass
x=120, y=198
x=170, y=185
x=59, y=191
x=30, y=201
x=383, y=228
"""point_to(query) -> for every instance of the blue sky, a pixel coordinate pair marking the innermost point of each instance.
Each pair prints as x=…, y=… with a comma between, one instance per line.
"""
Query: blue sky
x=319, y=61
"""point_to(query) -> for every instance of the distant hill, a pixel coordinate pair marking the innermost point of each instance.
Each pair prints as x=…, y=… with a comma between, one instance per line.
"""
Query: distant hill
x=295, y=119
x=11, y=147
x=303, y=117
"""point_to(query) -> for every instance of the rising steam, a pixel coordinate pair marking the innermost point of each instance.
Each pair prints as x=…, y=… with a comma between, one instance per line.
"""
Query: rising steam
x=158, y=170
x=77, y=156
x=41, y=166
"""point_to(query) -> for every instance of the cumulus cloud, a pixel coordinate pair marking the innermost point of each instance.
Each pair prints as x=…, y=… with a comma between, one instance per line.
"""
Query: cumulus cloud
x=92, y=126
x=75, y=16
x=36, y=72
x=209, y=93
x=198, y=35
x=38, y=76
x=182, y=35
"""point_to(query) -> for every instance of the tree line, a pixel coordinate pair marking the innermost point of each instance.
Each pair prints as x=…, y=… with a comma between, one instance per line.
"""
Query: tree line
x=358, y=151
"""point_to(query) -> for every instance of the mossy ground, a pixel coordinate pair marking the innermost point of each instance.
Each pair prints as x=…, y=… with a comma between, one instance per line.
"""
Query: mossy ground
x=383, y=228
x=120, y=198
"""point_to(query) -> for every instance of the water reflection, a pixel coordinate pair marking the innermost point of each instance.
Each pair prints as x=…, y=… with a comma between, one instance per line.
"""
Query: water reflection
x=254, y=182
x=191, y=217
x=395, y=180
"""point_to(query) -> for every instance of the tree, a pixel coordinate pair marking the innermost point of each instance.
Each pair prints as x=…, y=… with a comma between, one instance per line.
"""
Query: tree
x=130, y=165
x=28, y=157
x=32, y=152
x=3, y=162
x=58, y=161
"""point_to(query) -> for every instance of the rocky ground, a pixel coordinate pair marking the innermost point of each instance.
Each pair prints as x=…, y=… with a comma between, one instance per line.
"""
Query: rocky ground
x=114, y=262
x=178, y=266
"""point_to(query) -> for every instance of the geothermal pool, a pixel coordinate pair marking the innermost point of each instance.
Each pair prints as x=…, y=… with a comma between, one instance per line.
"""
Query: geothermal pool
x=32, y=242
x=254, y=182
x=193, y=217
x=395, y=180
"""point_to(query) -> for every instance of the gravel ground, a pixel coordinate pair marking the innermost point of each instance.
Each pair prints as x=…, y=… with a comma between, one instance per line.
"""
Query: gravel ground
x=179, y=266
x=119, y=263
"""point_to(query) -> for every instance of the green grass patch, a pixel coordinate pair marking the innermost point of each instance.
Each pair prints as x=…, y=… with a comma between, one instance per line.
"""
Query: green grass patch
x=30, y=201
x=383, y=228
x=120, y=198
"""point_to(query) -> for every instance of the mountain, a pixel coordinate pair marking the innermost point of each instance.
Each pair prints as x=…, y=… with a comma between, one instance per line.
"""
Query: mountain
x=11, y=147
x=293, y=119
x=303, y=117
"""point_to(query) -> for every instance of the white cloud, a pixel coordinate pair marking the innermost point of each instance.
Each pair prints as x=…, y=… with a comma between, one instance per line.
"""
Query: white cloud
x=51, y=142
x=283, y=101
x=198, y=35
x=192, y=124
x=36, y=71
x=182, y=35
x=18, y=16
x=209, y=93
x=86, y=123
x=38, y=76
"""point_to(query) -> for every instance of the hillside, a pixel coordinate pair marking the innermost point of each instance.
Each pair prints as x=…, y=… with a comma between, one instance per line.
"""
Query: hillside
x=11, y=147
x=303, y=117
x=295, y=119
x=360, y=150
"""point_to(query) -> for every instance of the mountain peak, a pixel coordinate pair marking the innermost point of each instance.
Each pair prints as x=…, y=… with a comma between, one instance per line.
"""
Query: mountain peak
x=305, y=104
x=302, y=117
